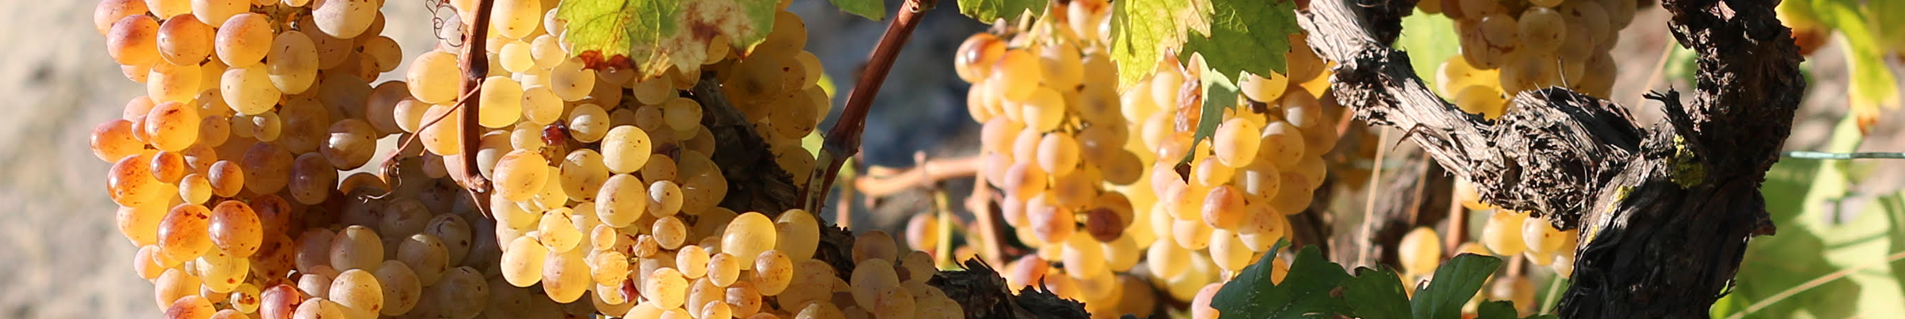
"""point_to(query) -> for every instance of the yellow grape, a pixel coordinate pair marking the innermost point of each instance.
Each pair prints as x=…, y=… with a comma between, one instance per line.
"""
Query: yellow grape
x=973, y=62
x=522, y=261
x=501, y=102
x=565, y=276
x=1420, y=251
x=520, y=174
x=747, y=236
x=1016, y=74
x=798, y=234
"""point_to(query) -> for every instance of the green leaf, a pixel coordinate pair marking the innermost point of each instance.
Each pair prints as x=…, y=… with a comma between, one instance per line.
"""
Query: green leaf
x=651, y=35
x=1455, y=282
x=1305, y=293
x=1496, y=310
x=1426, y=38
x=1872, y=83
x=1811, y=200
x=1245, y=35
x=1144, y=30
x=871, y=9
x=1376, y=294
x=1220, y=94
x=987, y=11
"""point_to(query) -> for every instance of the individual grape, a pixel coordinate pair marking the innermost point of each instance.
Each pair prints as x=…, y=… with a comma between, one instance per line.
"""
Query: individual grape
x=1420, y=251
x=234, y=228
x=401, y=290
x=558, y=231
x=248, y=90
x=565, y=276
x=221, y=272
x=501, y=101
x=747, y=236
x=190, y=307
x=520, y=174
x=773, y=271
x=357, y=293
x=666, y=287
x=279, y=301
x=133, y=40
x=183, y=233
x=798, y=234
x=522, y=261
x=434, y=77
x=669, y=232
x=664, y=198
x=582, y=175
x=173, y=285
x=1017, y=74
x=426, y=255
x=1191, y=234
x=1224, y=207
x=113, y=140
x=172, y=126
x=724, y=269
x=184, y=42
x=622, y=200
x=625, y=149
x=588, y=123
x=570, y=81
x=167, y=167
x=974, y=60
x=111, y=11
x=1484, y=100
x=461, y=293
x=1542, y=29
x=1517, y=290
x=1058, y=154
x=356, y=247
x=870, y=278
x=922, y=232
x=243, y=40
x=292, y=62
x=1542, y=238
x=350, y=144
x=312, y=179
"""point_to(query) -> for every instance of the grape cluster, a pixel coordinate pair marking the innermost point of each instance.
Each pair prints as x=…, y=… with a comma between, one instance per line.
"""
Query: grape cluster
x=1505, y=233
x=1089, y=172
x=1518, y=45
x=234, y=174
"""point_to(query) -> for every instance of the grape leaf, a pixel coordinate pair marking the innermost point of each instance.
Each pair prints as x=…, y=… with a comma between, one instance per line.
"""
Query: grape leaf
x=1376, y=294
x=1872, y=83
x=1307, y=292
x=1144, y=30
x=987, y=11
x=1245, y=35
x=1220, y=94
x=651, y=35
x=871, y=9
x=1810, y=201
x=1455, y=282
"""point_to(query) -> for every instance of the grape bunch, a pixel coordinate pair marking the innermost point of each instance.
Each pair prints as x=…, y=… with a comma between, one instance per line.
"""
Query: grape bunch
x=1505, y=233
x=248, y=174
x=1519, y=45
x=1089, y=173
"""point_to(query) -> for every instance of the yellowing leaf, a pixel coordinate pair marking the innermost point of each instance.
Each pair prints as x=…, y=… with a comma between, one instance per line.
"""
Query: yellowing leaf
x=1872, y=83
x=652, y=35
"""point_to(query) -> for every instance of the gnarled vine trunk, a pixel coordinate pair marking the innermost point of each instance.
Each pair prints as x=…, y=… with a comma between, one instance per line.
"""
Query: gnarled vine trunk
x=1665, y=210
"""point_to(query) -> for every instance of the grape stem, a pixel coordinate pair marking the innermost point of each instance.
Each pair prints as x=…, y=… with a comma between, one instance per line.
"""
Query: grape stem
x=880, y=184
x=475, y=65
x=843, y=140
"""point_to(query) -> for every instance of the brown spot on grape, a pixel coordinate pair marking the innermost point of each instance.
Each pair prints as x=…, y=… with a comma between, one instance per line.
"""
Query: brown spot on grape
x=1104, y=224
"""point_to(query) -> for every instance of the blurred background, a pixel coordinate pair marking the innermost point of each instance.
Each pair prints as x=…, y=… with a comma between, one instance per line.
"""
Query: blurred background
x=61, y=256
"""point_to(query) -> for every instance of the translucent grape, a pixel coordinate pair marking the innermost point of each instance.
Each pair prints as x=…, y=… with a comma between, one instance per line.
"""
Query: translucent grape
x=747, y=236
x=501, y=101
x=565, y=276
x=293, y=62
